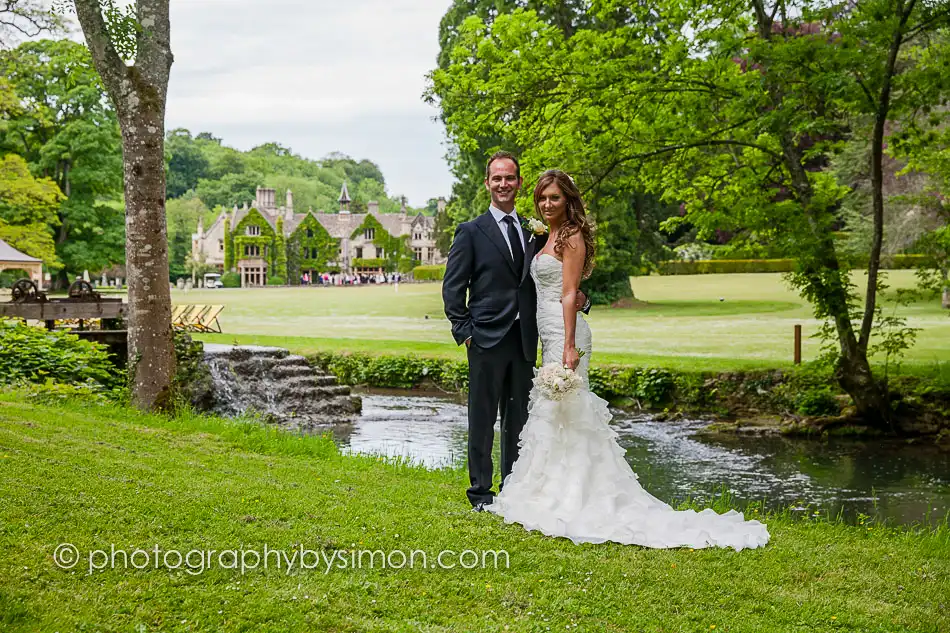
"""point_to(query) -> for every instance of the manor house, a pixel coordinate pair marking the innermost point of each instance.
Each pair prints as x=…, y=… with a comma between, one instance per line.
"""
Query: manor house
x=266, y=240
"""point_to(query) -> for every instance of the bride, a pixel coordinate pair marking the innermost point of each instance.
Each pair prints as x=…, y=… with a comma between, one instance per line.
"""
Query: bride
x=571, y=478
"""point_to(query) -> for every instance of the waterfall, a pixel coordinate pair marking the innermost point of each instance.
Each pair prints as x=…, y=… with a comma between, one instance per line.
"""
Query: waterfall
x=281, y=386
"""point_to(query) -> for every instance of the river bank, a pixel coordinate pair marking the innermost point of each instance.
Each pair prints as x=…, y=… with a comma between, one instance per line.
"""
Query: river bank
x=803, y=401
x=94, y=474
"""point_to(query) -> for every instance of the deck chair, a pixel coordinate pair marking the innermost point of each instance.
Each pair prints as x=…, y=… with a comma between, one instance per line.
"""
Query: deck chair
x=208, y=320
x=184, y=319
x=194, y=317
x=177, y=311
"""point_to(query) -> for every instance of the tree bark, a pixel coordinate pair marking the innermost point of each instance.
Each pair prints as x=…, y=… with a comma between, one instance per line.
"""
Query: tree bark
x=139, y=94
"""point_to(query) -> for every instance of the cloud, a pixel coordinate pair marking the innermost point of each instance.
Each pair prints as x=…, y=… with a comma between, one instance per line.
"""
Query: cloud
x=317, y=77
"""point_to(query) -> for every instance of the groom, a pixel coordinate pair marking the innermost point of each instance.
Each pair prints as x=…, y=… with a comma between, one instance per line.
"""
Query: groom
x=489, y=259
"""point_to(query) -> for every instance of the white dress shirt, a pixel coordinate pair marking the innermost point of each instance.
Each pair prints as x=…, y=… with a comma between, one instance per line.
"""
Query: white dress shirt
x=500, y=216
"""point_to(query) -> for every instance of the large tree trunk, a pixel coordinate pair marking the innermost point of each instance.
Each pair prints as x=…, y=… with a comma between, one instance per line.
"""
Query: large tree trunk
x=139, y=93
x=151, y=350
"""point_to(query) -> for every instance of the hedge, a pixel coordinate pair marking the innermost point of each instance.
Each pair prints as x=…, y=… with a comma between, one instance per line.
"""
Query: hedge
x=646, y=385
x=727, y=266
x=428, y=273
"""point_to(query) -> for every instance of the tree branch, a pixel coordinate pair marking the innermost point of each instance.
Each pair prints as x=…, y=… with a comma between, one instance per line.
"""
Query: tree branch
x=111, y=68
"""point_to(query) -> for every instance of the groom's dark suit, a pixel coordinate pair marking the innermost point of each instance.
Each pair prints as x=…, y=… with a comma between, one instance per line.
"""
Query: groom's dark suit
x=504, y=347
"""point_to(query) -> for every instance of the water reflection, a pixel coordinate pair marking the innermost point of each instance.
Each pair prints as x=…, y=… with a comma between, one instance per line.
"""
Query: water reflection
x=893, y=481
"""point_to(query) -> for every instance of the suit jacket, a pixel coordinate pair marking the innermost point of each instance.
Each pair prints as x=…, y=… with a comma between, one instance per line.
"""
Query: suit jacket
x=480, y=264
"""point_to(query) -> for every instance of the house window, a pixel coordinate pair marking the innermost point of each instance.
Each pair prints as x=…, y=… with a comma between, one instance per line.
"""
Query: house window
x=417, y=254
x=369, y=234
x=381, y=253
x=359, y=253
x=417, y=236
x=253, y=229
x=221, y=245
x=251, y=250
x=309, y=232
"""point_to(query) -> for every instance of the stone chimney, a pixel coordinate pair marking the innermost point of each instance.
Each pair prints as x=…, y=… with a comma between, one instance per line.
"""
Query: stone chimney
x=441, y=205
x=402, y=209
x=290, y=200
x=372, y=207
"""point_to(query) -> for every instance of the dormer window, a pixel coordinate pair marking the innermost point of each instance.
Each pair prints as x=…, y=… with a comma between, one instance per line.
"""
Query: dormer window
x=369, y=234
x=417, y=236
x=253, y=229
x=309, y=232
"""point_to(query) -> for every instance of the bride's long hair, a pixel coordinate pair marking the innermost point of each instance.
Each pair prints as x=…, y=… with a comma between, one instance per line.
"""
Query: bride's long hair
x=576, y=220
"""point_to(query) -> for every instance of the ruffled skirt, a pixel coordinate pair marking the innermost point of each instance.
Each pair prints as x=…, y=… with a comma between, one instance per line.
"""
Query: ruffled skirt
x=571, y=480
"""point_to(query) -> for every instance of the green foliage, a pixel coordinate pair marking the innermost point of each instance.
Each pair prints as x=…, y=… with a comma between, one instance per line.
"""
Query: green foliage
x=724, y=111
x=429, y=273
x=33, y=354
x=228, y=246
x=28, y=209
x=187, y=164
x=398, y=372
x=231, y=279
x=182, y=215
x=265, y=240
x=817, y=402
x=280, y=252
x=66, y=129
x=399, y=255
x=276, y=280
x=192, y=375
x=318, y=242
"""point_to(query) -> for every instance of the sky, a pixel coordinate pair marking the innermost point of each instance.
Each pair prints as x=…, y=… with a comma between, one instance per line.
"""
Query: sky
x=317, y=77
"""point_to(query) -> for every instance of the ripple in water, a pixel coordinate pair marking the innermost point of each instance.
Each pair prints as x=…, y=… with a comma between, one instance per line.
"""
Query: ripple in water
x=891, y=481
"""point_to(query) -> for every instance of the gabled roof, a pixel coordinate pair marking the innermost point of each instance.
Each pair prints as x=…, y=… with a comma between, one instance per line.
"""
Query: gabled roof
x=340, y=225
x=10, y=254
x=392, y=222
x=344, y=194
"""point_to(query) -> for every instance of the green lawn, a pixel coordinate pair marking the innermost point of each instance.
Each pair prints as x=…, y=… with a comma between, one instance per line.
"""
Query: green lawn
x=682, y=324
x=97, y=476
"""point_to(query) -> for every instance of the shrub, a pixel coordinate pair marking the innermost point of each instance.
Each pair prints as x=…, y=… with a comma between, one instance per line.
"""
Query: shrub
x=817, y=402
x=276, y=280
x=36, y=355
x=428, y=273
x=399, y=372
x=231, y=280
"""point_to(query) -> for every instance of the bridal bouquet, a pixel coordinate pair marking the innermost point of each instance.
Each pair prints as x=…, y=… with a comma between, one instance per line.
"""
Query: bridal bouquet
x=555, y=381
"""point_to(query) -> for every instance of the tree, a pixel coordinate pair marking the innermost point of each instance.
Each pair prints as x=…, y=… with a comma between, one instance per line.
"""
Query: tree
x=28, y=210
x=470, y=148
x=186, y=164
x=26, y=19
x=139, y=93
x=66, y=129
x=182, y=216
x=733, y=107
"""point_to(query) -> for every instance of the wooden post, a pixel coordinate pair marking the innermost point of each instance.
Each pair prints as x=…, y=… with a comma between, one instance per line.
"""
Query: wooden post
x=798, y=344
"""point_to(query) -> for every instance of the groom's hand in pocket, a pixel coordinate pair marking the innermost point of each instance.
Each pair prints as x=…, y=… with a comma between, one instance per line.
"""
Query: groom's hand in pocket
x=582, y=302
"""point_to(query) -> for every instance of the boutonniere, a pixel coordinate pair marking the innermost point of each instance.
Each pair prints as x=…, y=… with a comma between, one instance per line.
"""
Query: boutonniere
x=536, y=227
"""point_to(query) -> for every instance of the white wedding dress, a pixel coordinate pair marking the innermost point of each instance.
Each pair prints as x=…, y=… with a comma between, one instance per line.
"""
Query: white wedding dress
x=571, y=478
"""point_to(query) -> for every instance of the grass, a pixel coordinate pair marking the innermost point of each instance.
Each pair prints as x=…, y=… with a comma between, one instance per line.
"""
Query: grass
x=100, y=475
x=681, y=324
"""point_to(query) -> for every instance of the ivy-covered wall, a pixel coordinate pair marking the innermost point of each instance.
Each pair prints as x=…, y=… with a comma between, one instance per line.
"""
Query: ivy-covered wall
x=266, y=241
x=397, y=250
x=228, y=246
x=318, y=241
x=280, y=252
